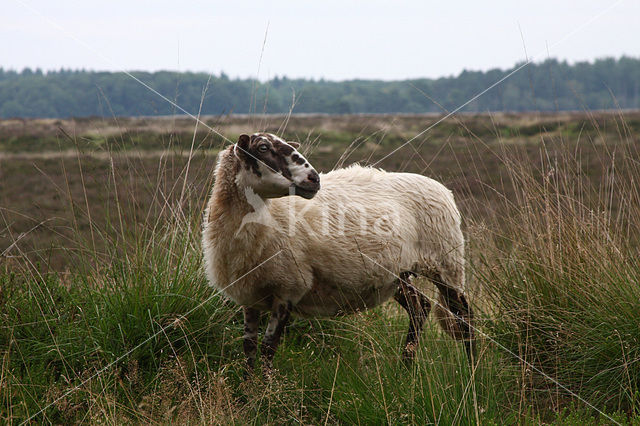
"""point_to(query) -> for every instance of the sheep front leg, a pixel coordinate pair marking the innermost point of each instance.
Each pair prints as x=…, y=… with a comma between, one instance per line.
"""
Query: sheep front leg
x=250, y=340
x=280, y=314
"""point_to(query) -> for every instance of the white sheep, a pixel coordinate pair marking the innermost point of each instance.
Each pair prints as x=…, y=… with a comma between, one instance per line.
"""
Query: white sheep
x=349, y=246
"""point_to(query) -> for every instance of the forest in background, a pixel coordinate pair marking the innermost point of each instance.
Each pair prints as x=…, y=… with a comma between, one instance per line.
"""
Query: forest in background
x=551, y=85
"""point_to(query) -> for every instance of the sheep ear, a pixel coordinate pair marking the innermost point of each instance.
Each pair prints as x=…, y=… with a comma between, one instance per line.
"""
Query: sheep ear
x=296, y=145
x=243, y=142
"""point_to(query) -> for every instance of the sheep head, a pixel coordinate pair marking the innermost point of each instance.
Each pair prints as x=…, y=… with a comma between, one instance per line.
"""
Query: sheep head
x=273, y=168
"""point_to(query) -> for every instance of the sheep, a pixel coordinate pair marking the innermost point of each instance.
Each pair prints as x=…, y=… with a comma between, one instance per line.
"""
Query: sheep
x=273, y=240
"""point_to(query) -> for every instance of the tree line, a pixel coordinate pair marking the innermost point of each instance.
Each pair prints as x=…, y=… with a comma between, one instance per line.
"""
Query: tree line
x=551, y=85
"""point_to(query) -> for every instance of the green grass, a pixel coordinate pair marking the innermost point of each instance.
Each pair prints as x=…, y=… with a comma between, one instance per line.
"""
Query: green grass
x=347, y=370
x=564, y=291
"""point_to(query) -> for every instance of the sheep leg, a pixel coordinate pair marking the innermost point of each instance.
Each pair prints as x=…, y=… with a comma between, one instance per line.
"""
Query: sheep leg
x=279, y=317
x=250, y=339
x=455, y=302
x=418, y=307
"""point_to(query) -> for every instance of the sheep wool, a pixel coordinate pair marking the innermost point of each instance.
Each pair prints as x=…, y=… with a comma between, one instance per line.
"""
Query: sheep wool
x=338, y=252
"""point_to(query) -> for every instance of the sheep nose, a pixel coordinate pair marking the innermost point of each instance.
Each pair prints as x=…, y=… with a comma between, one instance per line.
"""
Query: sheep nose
x=313, y=177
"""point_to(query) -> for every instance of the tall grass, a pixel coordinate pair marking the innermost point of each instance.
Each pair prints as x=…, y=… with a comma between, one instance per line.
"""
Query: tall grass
x=561, y=273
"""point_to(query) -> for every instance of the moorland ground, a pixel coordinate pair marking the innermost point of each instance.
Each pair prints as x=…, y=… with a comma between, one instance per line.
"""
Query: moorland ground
x=106, y=315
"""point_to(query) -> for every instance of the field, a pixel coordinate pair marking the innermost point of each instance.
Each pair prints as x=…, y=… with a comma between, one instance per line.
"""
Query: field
x=106, y=317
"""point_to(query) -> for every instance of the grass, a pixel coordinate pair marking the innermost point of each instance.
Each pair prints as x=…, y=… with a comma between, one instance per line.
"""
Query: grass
x=345, y=370
x=565, y=287
x=106, y=317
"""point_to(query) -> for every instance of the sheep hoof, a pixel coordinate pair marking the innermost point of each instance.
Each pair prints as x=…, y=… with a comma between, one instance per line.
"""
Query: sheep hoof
x=268, y=373
x=407, y=359
x=409, y=354
x=249, y=374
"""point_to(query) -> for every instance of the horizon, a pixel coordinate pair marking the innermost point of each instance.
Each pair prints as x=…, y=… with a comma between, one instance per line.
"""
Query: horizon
x=244, y=78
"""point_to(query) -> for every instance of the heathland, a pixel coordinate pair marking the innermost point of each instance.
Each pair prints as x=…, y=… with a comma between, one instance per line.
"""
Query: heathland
x=106, y=316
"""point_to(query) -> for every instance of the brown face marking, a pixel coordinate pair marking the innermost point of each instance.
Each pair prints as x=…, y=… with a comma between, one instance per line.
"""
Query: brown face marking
x=244, y=150
x=297, y=159
x=275, y=157
x=283, y=149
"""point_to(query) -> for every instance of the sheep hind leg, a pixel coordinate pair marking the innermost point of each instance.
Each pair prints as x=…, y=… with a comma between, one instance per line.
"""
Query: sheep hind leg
x=279, y=318
x=417, y=306
x=458, y=315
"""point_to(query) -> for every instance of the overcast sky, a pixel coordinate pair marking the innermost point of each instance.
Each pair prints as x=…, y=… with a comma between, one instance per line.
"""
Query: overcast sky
x=335, y=40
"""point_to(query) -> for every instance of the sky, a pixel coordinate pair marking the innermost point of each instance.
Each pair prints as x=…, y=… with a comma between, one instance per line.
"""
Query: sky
x=334, y=40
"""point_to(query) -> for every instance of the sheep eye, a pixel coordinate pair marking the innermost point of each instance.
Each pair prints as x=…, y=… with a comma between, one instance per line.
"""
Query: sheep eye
x=263, y=148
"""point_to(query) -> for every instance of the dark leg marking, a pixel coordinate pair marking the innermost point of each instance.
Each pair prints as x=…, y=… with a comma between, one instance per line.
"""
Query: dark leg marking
x=279, y=317
x=457, y=304
x=250, y=342
x=417, y=306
